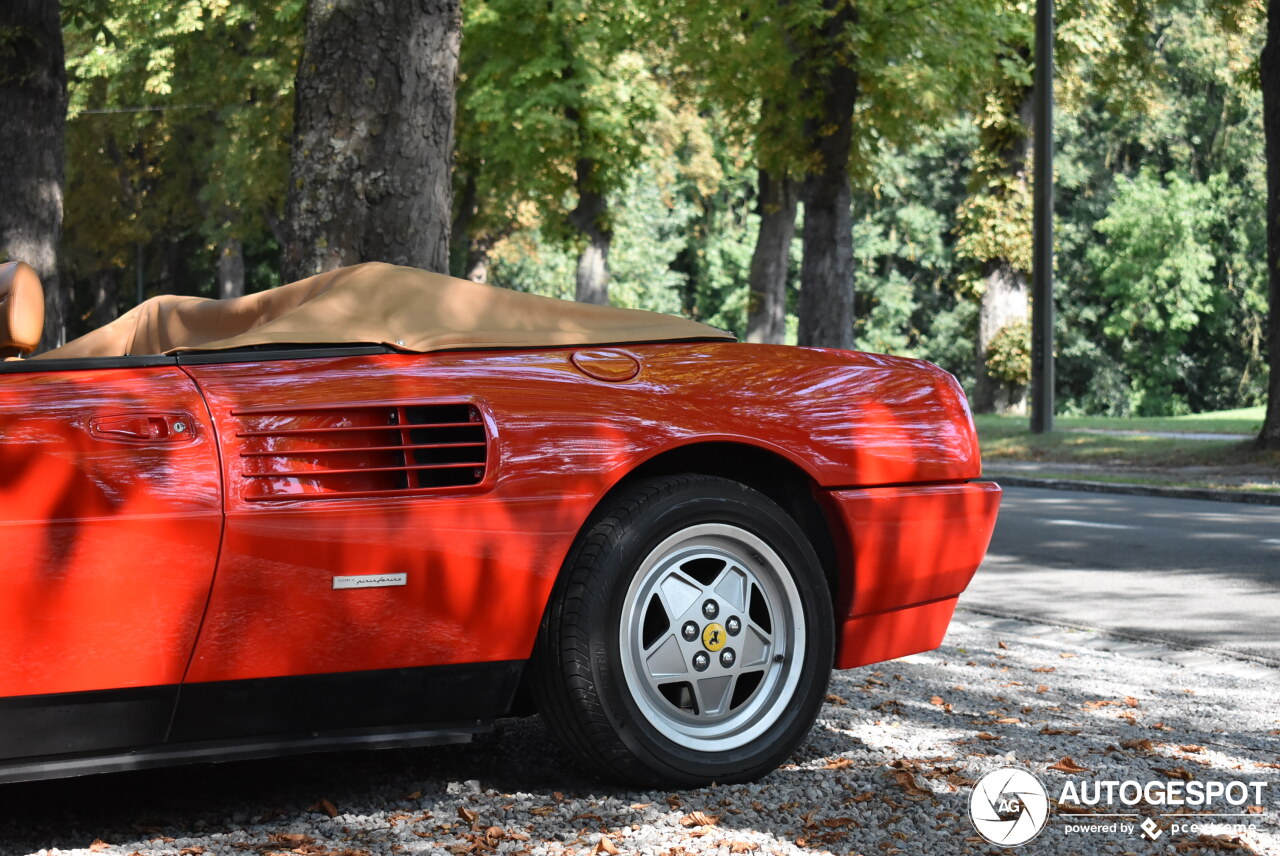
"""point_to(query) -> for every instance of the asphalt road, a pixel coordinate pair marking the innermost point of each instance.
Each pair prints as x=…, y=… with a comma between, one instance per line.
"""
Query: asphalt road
x=1195, y=572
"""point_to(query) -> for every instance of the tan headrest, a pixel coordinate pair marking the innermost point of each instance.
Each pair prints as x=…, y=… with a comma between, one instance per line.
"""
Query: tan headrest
x=21, y=309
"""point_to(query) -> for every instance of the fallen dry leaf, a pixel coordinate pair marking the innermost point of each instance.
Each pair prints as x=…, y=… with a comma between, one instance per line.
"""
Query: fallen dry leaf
x=699, y=818
x=1191, y=748
x=1066, y=655
x=982, y=735
x=290, y=839
x=98, y=846
x=937, y=700
x=741, y=847
x=1254, y=809
x=468, y=815
x=1044, y=669
x=1066, y=765
x=1143, y=745
x=1008, y=720
x=835, y=699
x=325, y=807
x=1100, y=703
x=1042, y=688
x=1175, y=773
x=834, y=822
x=907, y=781
x=1051, y=731
x=1001, y=644
x=838, y=764
x=1131, y=701
x=605, y=845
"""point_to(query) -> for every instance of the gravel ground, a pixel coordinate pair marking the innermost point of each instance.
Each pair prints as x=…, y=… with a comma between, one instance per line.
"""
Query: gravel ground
x=887, y=770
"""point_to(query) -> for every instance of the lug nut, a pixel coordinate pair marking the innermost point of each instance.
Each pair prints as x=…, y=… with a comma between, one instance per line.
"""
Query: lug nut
x=727, y=657
x=733, y=625
x=710, y=609
x=689, y=631
x=701, y=661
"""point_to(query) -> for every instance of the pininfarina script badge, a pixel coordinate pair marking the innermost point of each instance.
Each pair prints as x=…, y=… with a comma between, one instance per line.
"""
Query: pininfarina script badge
x=360, y=581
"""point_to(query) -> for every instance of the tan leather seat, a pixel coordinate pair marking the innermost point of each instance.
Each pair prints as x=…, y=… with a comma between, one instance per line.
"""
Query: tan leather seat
x=21, y=309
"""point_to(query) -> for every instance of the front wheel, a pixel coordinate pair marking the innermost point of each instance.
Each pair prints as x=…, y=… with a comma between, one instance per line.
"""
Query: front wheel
x=689, y=638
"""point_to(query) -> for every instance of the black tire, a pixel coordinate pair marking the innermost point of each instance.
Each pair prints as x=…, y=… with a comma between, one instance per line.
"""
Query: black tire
x=611, y=644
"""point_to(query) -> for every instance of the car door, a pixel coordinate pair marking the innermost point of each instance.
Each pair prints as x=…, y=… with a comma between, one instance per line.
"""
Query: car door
x=110, y=520
x=382, y=565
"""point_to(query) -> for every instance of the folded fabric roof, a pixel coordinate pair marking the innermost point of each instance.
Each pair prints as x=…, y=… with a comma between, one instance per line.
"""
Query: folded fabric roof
x=375, y=303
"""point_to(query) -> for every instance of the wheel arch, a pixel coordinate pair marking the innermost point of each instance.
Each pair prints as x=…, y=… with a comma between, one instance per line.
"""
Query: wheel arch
x=762, y=470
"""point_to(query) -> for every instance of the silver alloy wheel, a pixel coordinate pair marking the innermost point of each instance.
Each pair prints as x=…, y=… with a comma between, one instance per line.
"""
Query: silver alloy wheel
x=712, y=637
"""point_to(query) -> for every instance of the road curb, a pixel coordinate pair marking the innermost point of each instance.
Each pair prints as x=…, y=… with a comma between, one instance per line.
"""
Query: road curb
x=1244, y=496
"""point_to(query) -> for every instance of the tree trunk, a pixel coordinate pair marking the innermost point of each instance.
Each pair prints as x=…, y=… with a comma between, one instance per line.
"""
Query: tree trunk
x=1004, y=302
x=826, y=273
x=767, y=307
x=1269, y=438
x=373, y=136
x=106, y=297
x=231, y=268
x=476, y=267
x=33, y=104
x=591, y=219
x=1005, y=297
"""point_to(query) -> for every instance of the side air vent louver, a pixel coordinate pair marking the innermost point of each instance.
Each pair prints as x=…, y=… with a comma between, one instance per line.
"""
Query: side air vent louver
x=360, y=450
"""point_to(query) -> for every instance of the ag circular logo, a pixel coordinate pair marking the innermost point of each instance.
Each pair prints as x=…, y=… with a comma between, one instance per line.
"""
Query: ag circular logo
x=1009, y=806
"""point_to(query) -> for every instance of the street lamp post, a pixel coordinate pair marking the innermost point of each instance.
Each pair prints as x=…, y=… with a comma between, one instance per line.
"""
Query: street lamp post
x=1042, y=239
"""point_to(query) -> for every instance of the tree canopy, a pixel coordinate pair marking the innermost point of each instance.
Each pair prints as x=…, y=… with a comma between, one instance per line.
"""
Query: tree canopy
x=651, y=132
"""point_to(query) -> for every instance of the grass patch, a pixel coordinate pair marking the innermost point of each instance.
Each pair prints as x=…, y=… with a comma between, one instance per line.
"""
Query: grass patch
x=1244, y=420
x=1008, y=438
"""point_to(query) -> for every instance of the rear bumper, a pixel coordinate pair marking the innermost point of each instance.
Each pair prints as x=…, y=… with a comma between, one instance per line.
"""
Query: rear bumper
x=910, y=552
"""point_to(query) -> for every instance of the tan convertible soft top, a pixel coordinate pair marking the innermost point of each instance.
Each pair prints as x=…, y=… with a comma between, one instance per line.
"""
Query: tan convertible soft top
x=410, y=309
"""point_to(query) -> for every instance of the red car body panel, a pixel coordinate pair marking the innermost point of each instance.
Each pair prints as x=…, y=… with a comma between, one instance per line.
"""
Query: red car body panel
x=481, y=560
x=110, y=535
x=914, y=552
x=143, y=555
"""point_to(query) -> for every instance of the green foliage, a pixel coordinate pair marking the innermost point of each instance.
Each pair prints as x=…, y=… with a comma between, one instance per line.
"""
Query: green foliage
x=649, y=234
x=1008, y=357
x=177, y=136
x=676, y=103
x=905, y=251
x=1161, y=309
x=543, y=88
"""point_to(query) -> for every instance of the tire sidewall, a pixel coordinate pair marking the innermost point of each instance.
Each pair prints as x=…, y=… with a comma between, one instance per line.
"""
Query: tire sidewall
x=724, y=503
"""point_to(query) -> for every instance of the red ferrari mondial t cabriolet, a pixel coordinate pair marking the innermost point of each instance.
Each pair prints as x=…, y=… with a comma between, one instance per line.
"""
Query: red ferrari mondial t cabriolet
x=382, y=507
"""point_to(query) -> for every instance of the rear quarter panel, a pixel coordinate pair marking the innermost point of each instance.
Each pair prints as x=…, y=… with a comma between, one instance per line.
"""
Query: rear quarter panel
x=481, y=560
